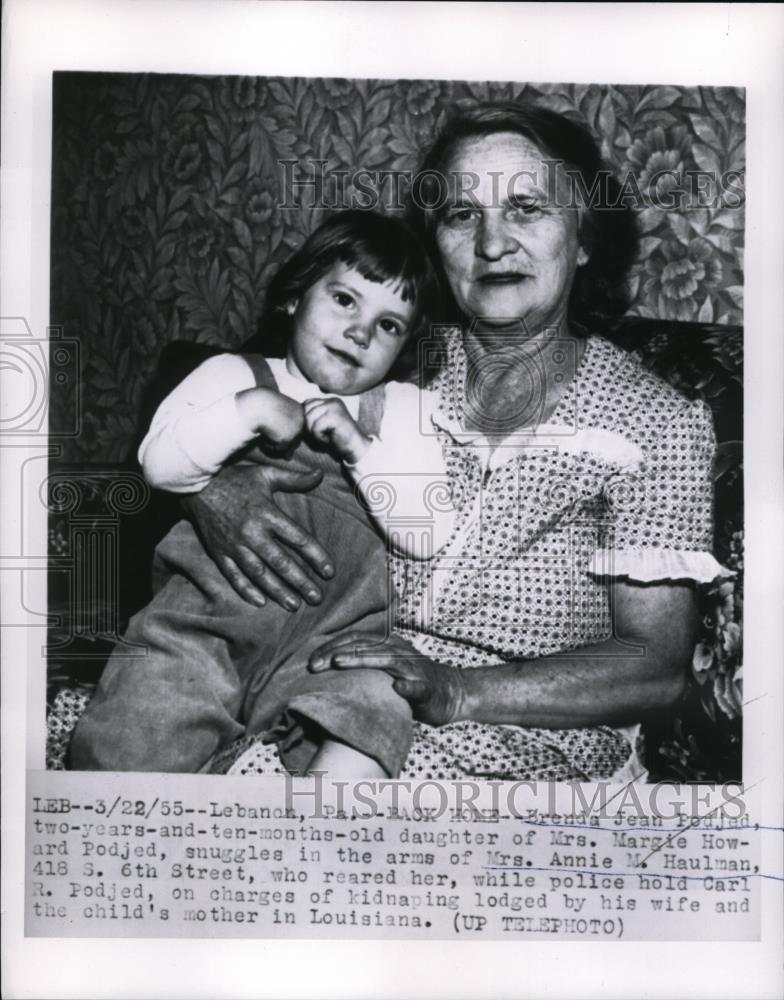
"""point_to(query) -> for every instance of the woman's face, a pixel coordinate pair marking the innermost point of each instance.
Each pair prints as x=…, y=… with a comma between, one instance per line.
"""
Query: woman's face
x=509, y=247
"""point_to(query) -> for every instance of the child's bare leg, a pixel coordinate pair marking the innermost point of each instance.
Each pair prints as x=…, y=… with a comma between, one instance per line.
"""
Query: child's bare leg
x=342, y=761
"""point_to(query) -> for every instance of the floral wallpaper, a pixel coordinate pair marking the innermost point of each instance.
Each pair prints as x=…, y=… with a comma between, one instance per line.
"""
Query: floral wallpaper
x=175, y=198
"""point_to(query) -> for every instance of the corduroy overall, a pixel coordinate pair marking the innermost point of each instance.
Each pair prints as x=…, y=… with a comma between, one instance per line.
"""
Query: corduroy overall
x=218, y=668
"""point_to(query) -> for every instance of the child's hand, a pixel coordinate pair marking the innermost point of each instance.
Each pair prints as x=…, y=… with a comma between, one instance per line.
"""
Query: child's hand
x=329, y=421
x=276, y=418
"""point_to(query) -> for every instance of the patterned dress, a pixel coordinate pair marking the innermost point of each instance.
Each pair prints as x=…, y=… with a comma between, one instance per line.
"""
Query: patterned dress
x=617, y=484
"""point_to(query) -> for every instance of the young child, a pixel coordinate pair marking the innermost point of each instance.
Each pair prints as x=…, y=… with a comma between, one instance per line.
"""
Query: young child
x=352, y=305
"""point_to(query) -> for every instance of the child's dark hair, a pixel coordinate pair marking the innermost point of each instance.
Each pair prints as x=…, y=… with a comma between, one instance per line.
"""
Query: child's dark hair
x=382, y=249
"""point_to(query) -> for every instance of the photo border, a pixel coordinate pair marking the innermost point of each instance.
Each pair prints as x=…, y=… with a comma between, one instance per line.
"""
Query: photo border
x=710, y=44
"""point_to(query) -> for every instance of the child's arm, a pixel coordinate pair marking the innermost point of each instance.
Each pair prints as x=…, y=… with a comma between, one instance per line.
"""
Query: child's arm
x=276, y=418
x=214, y=412
x=329, y=421
x=402, y=475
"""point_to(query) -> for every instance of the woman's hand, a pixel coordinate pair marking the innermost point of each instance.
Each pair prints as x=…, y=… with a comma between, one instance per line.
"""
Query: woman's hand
x=254, y=545
x=434, y=691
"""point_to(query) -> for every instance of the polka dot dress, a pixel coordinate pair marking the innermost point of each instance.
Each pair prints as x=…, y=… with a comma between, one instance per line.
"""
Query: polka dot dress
x=248, y=756
x=526, y=574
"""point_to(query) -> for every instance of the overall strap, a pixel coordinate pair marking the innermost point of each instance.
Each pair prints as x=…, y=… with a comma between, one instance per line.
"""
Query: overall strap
x=262, y=372
x=371, y=410
x=371, y=403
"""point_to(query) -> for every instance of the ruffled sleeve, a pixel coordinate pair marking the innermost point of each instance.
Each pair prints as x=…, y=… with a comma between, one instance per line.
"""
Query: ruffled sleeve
x=661, y=515
x=652, y=565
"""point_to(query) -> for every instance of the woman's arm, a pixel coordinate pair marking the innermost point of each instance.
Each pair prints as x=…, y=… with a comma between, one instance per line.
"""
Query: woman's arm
x=612, y=682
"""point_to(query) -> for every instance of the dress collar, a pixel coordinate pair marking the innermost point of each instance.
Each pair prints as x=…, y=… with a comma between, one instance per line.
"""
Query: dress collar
x=564, y=432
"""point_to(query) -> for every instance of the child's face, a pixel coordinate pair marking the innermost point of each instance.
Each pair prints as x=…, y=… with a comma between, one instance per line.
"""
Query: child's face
x=348, y=331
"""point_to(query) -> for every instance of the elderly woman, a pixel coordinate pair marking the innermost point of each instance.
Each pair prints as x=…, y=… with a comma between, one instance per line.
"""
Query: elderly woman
x=563, y=609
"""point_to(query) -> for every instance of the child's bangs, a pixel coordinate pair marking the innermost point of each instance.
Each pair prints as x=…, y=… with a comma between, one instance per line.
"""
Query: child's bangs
x=399, y=274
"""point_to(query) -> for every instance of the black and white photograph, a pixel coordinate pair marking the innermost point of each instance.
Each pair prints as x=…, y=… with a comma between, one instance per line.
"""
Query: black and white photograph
x=585, y=422
x=391, y=429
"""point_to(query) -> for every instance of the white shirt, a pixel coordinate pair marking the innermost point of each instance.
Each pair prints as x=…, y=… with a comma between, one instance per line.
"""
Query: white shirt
x=402, y=475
